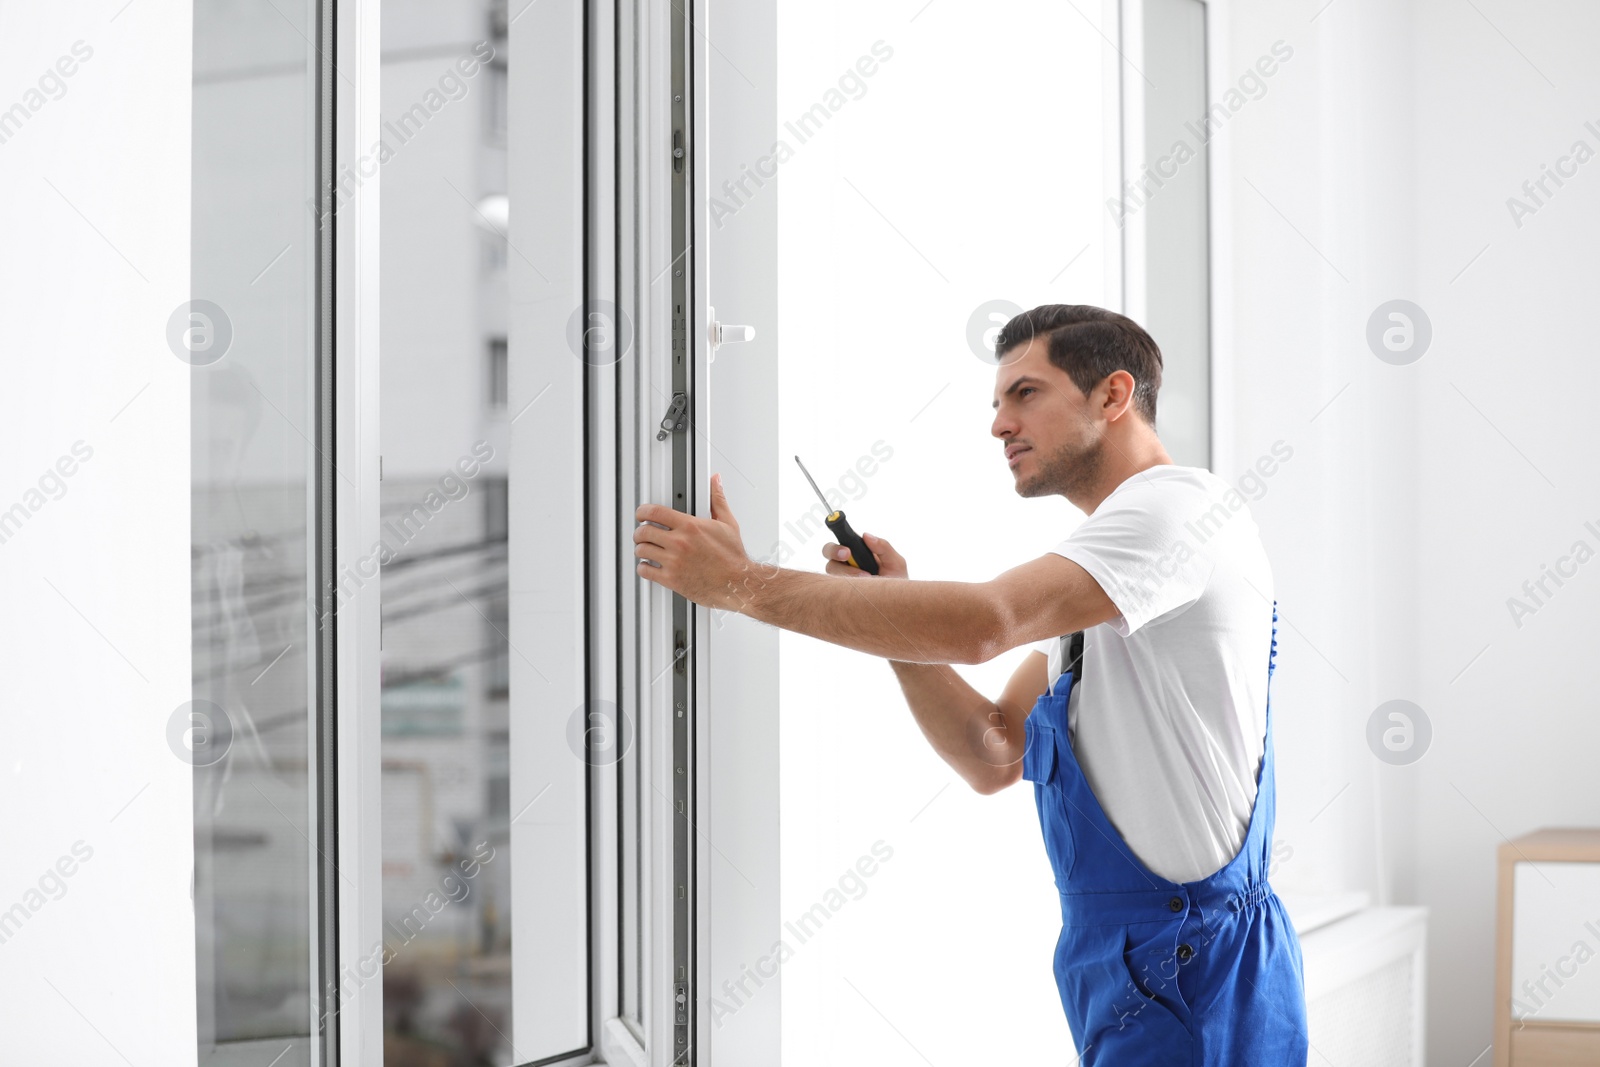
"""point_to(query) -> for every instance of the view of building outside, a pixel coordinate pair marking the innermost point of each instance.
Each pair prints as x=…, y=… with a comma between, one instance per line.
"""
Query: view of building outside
x=445, y=695
x=445, y=445
x=250, y=735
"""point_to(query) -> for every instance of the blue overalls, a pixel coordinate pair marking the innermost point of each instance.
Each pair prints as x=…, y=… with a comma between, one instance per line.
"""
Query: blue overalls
x=1154, y=973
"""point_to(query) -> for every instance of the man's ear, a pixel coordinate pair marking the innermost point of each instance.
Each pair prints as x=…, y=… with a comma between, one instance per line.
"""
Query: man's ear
x=1119, y=386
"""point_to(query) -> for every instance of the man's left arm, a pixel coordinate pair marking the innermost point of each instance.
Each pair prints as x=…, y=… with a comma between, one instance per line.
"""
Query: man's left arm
x=911, y=621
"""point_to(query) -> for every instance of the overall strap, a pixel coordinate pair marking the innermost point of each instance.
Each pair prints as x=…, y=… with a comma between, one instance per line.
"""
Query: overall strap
x=1073, y=660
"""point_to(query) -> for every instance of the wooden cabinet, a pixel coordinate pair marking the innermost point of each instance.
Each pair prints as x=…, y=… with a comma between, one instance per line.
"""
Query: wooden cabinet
x=1547, y=951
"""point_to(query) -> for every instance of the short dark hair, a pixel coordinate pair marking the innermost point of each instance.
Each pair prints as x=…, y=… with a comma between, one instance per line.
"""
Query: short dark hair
x=1088, y=343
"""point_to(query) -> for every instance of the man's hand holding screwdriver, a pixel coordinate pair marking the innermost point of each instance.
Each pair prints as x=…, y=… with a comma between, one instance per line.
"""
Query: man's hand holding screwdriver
x=891, y=564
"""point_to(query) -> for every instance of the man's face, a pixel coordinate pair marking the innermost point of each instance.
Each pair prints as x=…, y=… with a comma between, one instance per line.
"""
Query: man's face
x=1052, y=446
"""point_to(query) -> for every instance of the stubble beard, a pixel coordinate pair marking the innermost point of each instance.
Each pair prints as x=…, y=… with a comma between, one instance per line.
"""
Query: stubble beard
x=1072, y=471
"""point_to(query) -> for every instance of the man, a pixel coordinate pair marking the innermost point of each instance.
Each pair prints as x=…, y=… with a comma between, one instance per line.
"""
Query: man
x=1153, y=775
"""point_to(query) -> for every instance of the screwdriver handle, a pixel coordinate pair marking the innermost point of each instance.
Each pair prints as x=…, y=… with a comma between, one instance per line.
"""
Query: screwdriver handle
x=861, y=556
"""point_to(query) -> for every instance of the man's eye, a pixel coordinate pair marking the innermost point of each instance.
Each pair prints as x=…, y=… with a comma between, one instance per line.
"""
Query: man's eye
x=1025, y=390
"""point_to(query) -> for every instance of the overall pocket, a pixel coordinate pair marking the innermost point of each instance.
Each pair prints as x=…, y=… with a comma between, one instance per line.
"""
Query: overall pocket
x=1041, y=766
x=1117, y=1017
x=1150, y=957
x=1039, y=751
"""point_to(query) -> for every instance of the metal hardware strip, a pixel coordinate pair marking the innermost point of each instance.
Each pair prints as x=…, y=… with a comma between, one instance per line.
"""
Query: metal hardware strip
x=684, y=336
x=324, y=761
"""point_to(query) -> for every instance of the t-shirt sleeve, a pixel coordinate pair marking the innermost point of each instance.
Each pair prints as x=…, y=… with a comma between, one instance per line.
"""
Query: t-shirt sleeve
x=1139, y=546
x=1051, y=647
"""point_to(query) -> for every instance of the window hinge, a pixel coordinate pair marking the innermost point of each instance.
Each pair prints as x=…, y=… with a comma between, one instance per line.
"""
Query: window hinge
x=677, y=415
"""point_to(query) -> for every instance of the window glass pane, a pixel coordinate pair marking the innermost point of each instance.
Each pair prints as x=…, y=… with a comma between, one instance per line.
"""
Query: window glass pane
x=631, y=860
x=941, y=169
x=634, y=684
x=1177, y=233
x=252, y=422
x=443, y=422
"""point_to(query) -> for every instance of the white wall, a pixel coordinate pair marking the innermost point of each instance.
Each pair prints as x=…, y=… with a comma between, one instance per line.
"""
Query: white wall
x=1423, y=496
x=1505, y=472
x=96, y=581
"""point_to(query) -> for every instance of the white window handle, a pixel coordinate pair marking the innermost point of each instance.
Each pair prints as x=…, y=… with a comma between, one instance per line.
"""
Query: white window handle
x=722, y=334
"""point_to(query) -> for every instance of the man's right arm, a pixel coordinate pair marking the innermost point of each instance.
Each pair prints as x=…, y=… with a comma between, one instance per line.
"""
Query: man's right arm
x=982, y=739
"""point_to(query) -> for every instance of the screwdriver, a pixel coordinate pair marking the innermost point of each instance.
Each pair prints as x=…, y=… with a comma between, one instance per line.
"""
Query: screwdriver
x=861, y=556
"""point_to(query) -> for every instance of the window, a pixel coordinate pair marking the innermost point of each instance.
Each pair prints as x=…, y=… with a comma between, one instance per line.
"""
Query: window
x=260, y=540
x=1164, y=212
x=923, y=203
x=450, y=910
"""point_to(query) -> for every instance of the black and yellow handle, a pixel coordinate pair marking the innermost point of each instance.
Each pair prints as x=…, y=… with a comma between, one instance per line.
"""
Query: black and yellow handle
x=861, y=556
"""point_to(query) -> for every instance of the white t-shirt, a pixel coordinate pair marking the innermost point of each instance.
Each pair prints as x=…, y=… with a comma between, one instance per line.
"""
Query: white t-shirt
x=1169, y=722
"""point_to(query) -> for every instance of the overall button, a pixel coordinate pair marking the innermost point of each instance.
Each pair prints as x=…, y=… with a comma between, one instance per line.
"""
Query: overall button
x=1185, y=951
x=1176, y=904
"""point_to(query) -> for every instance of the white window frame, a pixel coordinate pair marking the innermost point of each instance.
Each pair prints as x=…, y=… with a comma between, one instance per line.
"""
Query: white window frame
x=356, y=524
